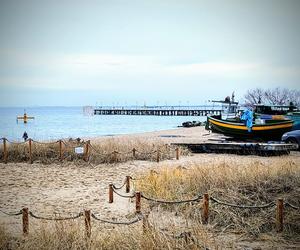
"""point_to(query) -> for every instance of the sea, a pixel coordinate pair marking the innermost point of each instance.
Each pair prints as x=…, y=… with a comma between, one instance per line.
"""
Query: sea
x=53, y=123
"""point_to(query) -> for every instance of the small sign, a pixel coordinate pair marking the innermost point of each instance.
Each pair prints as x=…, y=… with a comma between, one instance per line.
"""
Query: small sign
x=79, y=150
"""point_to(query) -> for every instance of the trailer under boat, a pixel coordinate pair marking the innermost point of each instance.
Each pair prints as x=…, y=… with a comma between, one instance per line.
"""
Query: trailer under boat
x=263, y=130
x=241, y=148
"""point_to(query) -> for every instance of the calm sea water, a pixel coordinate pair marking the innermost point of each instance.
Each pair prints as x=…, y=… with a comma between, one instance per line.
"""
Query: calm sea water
x=63, y=122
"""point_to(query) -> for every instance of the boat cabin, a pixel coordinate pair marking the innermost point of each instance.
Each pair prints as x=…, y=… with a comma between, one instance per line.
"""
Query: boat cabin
x=274, y=109
x=229, y=108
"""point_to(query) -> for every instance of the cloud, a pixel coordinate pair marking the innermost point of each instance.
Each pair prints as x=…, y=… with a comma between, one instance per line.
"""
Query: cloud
x=104, y=71
x=212, y=68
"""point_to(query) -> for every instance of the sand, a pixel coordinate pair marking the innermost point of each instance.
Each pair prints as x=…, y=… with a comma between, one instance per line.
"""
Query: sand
x=66, y=188
x=178, y=135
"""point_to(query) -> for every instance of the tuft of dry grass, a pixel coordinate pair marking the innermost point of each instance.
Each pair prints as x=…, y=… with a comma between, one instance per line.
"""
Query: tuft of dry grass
x=5, y=239
x=71, y=236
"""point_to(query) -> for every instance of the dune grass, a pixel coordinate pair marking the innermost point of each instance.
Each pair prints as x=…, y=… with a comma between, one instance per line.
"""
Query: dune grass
x=99, y=152
x=252, y=184
x=69, y=235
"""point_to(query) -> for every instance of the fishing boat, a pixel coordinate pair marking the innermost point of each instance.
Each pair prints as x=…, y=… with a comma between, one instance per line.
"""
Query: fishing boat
x=271, y=129
x=295, y=116
x=277, y=112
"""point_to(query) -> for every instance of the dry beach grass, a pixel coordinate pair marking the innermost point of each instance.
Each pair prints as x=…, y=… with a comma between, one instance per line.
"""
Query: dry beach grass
x=108, y=151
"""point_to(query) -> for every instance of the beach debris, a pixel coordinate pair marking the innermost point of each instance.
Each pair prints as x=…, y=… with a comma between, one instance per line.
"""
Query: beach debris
x=190, y=124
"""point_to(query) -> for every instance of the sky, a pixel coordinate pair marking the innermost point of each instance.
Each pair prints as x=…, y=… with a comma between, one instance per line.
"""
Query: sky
x=77, y=53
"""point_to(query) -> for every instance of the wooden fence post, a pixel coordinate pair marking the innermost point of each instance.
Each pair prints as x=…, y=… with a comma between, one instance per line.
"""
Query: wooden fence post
x=138, y=202
x=279, y=215
x=86, y=153
x=127, y=184
x=60, y=150
x=133, y=152
x=25, y=220
x=87, y=220
x=4, y=150
x=205, y=208
x=157, y=156
x=177, y=153
x=30, y=151
x=110, y=194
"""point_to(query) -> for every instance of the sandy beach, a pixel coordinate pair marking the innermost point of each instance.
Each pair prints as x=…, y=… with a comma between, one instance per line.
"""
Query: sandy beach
x=68, y=188
x=176, y=135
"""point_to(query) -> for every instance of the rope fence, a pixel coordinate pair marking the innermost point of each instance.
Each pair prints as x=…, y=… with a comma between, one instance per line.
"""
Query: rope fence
x=280, y=203
x=205, y=198
x=26, y=213
x=68, y=151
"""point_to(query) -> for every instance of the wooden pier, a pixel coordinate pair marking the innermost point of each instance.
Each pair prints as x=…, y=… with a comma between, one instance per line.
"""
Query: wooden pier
x=159, y=111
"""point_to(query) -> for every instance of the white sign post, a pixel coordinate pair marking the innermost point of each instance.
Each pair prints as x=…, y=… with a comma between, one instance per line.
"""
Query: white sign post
x=79, y=150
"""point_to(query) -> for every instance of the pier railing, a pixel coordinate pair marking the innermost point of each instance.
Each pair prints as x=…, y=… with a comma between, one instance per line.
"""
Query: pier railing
x=201, y=110
x=165, y=107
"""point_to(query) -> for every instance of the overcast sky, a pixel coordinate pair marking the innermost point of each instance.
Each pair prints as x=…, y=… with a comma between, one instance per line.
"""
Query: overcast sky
x=155, y=52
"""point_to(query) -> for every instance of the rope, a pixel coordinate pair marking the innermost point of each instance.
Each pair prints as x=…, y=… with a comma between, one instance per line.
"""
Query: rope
x=125, y=153
x=11, y=213
x=107, y=154
x=45, y=143
x=291, y=206
x=56, y=219
x=122, y=195
x=117, y=188
x=72, y=145
x=17, y=143
x=91, y=164
x=118, y=222
x=272, y=203
x=135, y=179
x=98, y=153
x=149, y=153
x=172, y=202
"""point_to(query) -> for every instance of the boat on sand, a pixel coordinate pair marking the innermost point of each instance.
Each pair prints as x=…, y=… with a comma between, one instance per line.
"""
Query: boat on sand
x=261, y=129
